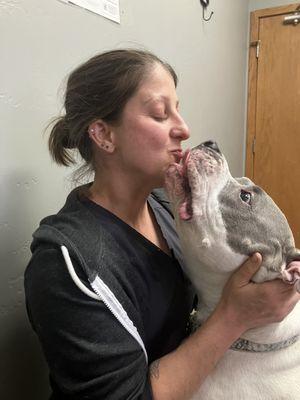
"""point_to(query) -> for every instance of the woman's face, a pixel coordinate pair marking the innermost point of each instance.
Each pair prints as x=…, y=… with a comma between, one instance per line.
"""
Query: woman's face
x=148, y=138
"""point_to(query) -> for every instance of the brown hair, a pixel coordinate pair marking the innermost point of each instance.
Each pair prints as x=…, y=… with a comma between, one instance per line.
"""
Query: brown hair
x=98, y=89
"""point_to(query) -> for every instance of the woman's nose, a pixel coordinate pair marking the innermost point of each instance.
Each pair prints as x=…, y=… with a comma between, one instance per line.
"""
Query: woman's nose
x=180, y=130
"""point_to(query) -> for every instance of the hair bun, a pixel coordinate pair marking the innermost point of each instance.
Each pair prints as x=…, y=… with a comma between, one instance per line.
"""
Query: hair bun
x=60, y=141
x=64, y=132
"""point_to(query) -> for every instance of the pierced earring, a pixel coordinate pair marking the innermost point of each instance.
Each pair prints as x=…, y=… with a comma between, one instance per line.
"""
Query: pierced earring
x=105, y=146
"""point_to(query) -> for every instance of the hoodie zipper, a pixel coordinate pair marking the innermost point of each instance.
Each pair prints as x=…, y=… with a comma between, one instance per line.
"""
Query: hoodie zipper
x=103, y=293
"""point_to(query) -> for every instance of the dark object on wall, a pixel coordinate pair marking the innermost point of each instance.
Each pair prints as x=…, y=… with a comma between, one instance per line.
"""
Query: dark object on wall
x=204, y=4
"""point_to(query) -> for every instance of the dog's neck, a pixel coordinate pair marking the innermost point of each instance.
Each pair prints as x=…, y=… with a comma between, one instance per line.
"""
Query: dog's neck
x=210, y=269
x=209, y=290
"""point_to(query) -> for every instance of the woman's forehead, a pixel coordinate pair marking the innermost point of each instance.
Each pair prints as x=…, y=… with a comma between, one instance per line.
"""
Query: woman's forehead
x=160, y=91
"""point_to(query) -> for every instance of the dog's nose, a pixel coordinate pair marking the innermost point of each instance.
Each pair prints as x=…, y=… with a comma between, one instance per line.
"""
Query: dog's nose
x=212, y=145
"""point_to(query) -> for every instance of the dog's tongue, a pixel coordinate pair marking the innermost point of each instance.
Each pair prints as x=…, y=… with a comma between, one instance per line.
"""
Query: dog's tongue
x=183, y=211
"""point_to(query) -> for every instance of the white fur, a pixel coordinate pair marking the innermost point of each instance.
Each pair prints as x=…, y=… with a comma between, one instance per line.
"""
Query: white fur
x=210, y=261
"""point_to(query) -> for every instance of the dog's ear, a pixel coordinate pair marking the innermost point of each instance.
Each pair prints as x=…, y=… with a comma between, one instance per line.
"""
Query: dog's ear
x=294, y=255
x=244, y=181
x=292, y=272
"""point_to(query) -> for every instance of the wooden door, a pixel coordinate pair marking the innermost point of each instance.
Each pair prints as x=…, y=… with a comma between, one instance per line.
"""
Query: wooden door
x=273, y=135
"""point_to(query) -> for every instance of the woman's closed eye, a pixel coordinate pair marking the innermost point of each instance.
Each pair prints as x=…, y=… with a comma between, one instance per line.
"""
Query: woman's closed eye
x=159, y=114
x=160, y=118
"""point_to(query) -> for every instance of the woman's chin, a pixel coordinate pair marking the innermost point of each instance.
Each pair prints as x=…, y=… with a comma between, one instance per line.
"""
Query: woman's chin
x=158, y=181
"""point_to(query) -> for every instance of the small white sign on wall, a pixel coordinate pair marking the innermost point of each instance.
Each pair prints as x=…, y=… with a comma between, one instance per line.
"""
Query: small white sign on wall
x=107, y=8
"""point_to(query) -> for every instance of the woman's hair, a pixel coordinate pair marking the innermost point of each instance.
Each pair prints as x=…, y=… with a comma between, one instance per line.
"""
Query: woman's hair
x=98, y=89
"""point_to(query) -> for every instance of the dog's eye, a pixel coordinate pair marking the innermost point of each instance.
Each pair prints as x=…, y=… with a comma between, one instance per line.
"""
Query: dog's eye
x=245, y=196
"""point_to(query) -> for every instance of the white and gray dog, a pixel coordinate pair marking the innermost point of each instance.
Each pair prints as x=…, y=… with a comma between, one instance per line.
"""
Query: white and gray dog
x=221, y=221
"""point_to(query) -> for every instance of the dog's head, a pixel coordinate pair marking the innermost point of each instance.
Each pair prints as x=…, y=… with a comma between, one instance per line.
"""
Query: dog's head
x=233, y=215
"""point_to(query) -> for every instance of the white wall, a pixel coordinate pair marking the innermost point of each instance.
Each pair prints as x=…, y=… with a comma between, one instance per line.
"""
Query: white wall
x=259, y=4
x=40, y=43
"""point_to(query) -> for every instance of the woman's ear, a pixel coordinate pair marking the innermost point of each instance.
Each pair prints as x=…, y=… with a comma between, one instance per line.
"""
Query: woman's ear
x=102, y=135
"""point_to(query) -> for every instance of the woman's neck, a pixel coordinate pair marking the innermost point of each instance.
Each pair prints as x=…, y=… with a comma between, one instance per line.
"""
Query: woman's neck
x=127, y=200
x=129, y=203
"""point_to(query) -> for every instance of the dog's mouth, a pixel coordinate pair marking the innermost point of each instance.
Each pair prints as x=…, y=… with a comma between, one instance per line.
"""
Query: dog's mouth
x=177, y=184
x=182, y=181
x=186, y=209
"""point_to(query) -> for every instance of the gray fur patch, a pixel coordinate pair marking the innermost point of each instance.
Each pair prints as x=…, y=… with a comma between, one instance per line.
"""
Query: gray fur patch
x=256, y=227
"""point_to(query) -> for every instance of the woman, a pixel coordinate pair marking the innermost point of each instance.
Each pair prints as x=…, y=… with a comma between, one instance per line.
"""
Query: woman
x=122, y=116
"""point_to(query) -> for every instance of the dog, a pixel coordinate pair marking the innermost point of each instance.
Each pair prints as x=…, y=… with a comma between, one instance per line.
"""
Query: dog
x=221, y=221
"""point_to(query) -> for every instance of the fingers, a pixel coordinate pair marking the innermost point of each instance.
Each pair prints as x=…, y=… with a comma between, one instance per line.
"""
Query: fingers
x=291, y=302
x=248, y=269
x=251, y=305
x=278, y=287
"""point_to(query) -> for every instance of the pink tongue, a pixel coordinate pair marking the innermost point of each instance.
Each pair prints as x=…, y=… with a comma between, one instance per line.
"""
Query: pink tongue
x=183, y=213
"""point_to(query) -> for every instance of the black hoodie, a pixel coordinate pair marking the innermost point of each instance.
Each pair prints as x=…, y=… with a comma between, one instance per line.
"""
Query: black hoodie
x=101, y=349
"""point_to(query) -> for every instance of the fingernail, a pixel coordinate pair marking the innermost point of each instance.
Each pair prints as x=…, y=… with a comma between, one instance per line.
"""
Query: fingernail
x=254, y=258
x=298, y=286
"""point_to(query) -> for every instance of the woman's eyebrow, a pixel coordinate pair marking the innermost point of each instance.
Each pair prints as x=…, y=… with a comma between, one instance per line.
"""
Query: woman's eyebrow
x=159, y=99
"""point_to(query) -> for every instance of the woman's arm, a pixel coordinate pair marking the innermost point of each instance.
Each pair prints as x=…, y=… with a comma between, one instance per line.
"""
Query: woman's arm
x=89, y=353
x=243, y=305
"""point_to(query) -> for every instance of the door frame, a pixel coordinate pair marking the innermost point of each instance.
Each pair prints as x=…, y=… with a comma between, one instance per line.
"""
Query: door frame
x=252, y=77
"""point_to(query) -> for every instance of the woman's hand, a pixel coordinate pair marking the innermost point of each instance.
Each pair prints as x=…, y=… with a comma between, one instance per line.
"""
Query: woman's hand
x=249, y=305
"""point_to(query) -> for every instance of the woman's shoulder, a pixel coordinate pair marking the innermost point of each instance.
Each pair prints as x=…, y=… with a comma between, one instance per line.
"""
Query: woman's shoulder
x=46, y=275
x=160, y=195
